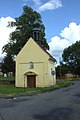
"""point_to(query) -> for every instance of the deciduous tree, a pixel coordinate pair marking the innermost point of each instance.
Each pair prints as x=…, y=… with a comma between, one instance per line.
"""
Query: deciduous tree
x=24, y=30
x=71, y=57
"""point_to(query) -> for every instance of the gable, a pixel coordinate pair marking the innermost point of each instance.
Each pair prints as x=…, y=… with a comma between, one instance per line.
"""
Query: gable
x=32, y=51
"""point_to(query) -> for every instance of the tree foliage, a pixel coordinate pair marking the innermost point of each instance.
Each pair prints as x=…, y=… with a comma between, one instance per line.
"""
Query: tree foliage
x=71, y=57
x=24, y=30
x=61, y=70
x=8, y=65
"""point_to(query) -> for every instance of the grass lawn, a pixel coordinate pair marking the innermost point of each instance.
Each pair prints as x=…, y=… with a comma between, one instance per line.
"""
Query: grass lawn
x=11, y=90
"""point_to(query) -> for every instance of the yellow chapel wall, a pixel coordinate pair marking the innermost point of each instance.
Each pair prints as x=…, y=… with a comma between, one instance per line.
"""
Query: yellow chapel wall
x=32, y=52
x=52, y=78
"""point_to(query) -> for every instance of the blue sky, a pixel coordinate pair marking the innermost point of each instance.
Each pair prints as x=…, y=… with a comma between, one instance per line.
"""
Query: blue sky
x=61, y=19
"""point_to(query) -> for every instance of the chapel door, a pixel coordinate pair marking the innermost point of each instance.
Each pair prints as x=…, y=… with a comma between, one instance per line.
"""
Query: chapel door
x=31, y=81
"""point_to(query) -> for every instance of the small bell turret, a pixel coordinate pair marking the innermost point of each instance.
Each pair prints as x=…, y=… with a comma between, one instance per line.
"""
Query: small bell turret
x=37, y=32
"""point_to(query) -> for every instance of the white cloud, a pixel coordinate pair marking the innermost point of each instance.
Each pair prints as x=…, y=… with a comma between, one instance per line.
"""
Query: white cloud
x=57, y=45
x=50, y=5
x=5, y=31
x=69, y=35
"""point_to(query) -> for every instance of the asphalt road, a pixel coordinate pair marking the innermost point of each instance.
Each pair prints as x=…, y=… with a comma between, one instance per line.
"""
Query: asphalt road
x=62, y=104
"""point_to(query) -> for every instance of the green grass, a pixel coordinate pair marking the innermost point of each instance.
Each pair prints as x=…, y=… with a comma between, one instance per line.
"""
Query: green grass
x=11, y=90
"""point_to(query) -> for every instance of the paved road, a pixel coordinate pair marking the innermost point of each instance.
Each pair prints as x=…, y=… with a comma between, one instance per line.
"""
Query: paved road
x=62, y=104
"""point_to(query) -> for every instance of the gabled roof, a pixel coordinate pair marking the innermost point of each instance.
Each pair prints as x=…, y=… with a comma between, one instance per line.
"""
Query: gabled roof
x=50, y=56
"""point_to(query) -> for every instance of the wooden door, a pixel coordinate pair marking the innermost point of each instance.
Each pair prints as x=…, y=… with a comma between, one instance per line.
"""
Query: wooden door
x=31, y=81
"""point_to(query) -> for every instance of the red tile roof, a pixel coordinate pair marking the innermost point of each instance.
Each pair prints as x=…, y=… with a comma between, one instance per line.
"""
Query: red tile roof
x=50, y=56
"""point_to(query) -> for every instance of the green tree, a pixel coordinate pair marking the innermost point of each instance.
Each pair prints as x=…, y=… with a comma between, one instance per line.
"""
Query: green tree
x=61, y=70
x=71, y=57
x=24, y=30
x=8, y=65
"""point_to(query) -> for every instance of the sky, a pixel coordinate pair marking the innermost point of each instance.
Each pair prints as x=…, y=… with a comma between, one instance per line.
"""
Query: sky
x=61, y=19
